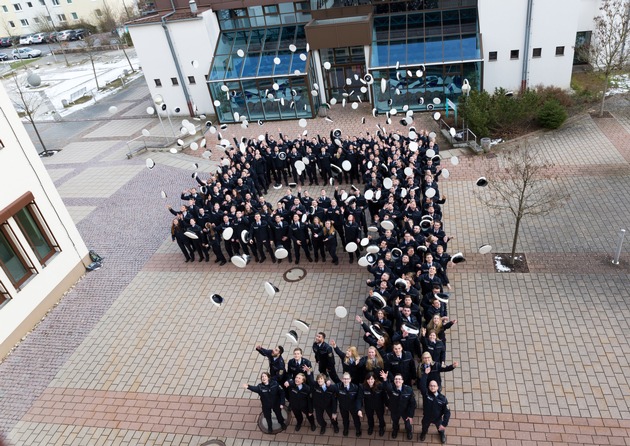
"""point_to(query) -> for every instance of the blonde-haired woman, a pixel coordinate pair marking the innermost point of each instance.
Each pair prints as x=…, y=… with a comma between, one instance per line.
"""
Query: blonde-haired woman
x=350, y=361
x=330, y=241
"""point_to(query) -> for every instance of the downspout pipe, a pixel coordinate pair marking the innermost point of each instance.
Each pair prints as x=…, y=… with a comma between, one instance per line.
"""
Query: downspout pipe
x=528, y=30
x=180, y=75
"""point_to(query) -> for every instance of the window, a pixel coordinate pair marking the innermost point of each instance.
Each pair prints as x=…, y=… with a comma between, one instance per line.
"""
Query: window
x=11, y=259
x=492, y=55
x=191, y=80
x=17, y=6
x=34, y=232
x=174, y=81
x=69, y=1
x=42, y=2
x=75, y=16
x=270, y=9
x=11, y=24
x=1, y=144
x=158, y=83
x=4, y=295
x=24, y=22
x=537, y=52
x=98, y=13
x=36, y=19
x=4, y=8
x=61, y=17
x=55, y=2
x=514, y=54
x=559, y=51
x=29, y=4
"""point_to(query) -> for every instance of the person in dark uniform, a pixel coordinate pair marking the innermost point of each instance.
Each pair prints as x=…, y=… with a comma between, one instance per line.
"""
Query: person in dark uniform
x=299, y=235
x=259, y=231
x=374, y=403
x=281, y=235
x=296, y=364
x=301, y=402
x=350, y=399
x=317, y=237
x=402, y=404
x=435, y=407
x=271, y=398
x=352, y=232
x=324, y=400
x=325, y=357
x=277, y=370
x=330, y=241
x=196, y=243
x=209, y=239
x=177, y=235
x=400, y=362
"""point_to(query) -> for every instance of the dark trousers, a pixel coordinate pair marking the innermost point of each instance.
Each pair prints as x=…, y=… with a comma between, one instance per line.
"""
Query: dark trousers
x=345, y=415
x=299, y=416
x=380, y=414
x=318, y=249
x=267, y=414
x=319, y=414
x=297, y=247
x=187, y=249
x=426, y=423
x=216, y=249
x=396, y=420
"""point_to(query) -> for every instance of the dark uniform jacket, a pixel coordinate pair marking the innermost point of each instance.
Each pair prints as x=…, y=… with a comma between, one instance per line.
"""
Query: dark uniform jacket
x=401, y=402
x=324, y=355
x=276, y=365
x=350, y=400
x=270, y=394
x=435, y=406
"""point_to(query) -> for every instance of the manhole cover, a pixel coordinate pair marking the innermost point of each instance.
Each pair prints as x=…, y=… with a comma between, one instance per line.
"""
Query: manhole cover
x=294, y=274
x=275, y=426
x=213, y=443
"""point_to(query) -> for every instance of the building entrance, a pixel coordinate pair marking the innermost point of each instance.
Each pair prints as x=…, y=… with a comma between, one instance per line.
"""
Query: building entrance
x=343, y=79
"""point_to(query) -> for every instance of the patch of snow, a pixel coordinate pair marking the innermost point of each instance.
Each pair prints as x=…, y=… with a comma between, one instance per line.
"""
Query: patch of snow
x=499, y=266
x=622, y=84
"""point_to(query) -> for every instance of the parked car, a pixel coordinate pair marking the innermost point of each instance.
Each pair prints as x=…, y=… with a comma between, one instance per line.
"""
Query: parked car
x=38, y=38
x=4, y=56
x=26, y=39
x=66, y=35
x=81, y=33
x=5, y=42
x=51, y=37
x=25, y=53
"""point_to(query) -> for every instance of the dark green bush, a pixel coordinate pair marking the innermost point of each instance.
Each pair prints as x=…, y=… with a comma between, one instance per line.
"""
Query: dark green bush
x=552, y=114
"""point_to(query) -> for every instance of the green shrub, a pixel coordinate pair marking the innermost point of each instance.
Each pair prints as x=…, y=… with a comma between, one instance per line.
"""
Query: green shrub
x=552, y=114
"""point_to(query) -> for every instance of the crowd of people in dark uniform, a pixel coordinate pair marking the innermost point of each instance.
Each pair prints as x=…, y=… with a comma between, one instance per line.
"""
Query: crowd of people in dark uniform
x=386, y=210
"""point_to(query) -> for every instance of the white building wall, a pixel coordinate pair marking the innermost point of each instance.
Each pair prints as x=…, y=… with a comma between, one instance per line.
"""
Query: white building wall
x=193, y=40
x=554, y=23
x=21, y=171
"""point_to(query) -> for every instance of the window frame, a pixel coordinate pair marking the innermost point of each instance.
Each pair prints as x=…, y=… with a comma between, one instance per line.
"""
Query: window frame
x=74, y=16
x=560, y=51
x=44, y=230
x=62, y=17
x=17, y=6
x=515, y=54
x=174, y=81
x=5, y=297
x=24, y=22
x=18, y=251
x=158, y=83
x=537, y=53
x=191, y=80
x=493, y=56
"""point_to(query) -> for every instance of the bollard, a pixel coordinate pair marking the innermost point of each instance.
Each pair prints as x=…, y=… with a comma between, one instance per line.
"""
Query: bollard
x=622, y=234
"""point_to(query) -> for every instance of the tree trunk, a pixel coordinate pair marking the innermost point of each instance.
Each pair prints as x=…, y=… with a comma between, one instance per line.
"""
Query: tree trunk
x=515, y=240
x=127, y=57
x=601, y=110
x=94, y=70
x=32, y=120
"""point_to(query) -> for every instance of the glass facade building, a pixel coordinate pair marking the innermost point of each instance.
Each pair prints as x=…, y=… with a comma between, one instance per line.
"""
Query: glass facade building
x=262, y=68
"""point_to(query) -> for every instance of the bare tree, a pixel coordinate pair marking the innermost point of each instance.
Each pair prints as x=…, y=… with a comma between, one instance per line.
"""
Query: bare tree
x=27, y=105
x=522, y=184
x=89, y=44
x=608, y=51
x=108, y=19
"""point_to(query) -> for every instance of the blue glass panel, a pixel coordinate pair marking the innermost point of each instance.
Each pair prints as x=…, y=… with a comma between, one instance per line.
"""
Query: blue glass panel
x=470, y=48
x=433, y=50
x=282, y=69
x=266, y=63
x=452, y=48
x=219, y=65
x=271, y=39
x=415, y=51
x=397, y=52
x=223, y=110
x=225, y=43
x=234, y=67
x=380, y=52
x=250, y=67
x=297, y=63
x=256, y=40
x=415, y=25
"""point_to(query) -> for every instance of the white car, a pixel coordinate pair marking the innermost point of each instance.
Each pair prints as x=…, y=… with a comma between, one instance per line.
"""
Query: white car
x=38, y=38
x=26, y=40
x=25, y=53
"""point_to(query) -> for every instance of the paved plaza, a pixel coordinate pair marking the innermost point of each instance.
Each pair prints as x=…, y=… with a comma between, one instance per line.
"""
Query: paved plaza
x=136, y=354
